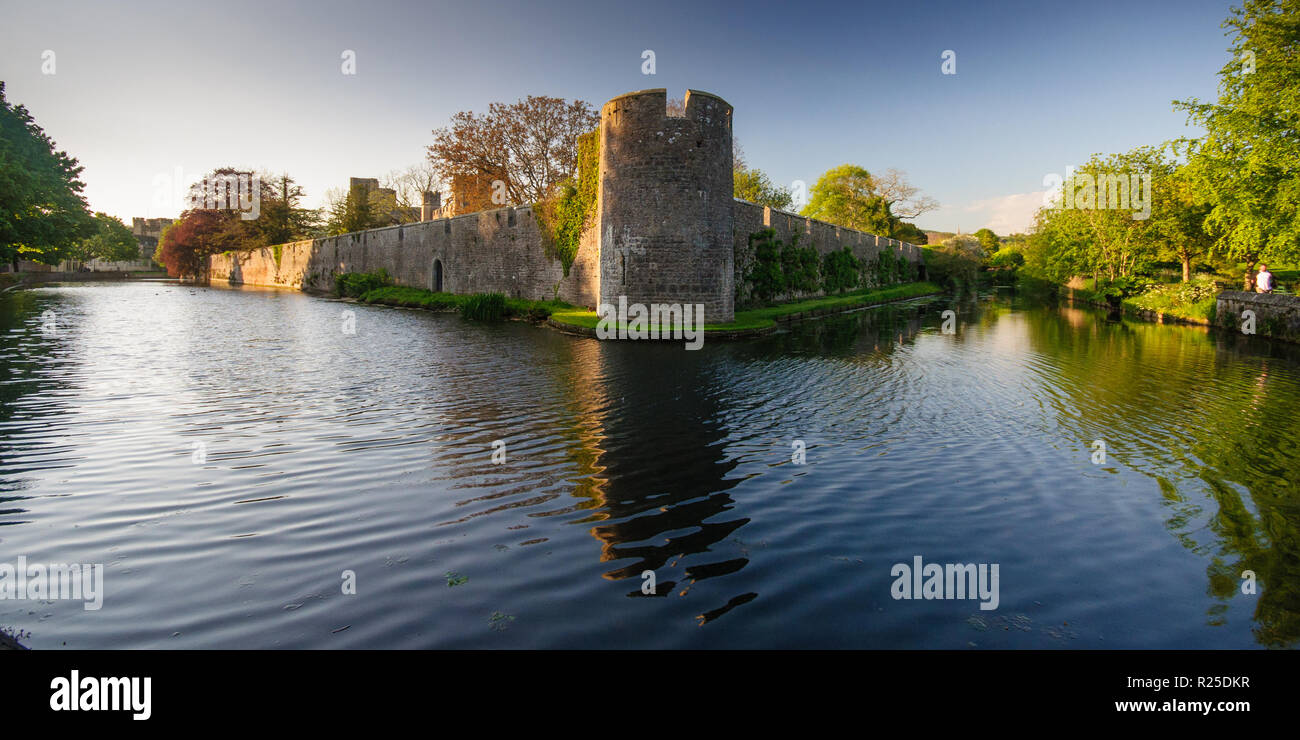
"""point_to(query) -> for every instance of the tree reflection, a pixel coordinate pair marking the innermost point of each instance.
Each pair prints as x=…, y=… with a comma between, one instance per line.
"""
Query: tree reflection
x=1220, y=407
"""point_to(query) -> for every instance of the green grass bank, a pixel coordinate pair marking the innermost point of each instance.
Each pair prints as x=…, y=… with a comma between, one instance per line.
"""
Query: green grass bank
x=757, y=321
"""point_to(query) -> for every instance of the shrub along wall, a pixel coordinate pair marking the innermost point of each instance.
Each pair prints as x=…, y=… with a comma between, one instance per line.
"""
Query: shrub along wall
x=781, y=257
x=780, y=271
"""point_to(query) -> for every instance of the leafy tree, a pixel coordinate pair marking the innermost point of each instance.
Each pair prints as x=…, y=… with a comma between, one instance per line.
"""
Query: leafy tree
x=360, y=210
x=851, y=196
x=1092, y=230
x=1006, y=258
x=530, y=145
x=43, y=215
x=846, y=196
x=357, y=210
x=1059, y=246
x=282, y=219
x=1121, y=239
x=755, y=186
x=964, y=245
x=185, y=246
x=988, y=240
x=1247, y=168
x=111, y=242
x=910, y=233
x=1178, y=219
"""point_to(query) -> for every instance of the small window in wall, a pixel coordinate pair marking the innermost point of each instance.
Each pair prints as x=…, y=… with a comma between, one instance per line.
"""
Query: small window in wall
x=437, y=276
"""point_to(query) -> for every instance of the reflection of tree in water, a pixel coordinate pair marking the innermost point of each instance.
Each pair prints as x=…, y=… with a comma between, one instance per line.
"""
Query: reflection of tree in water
x=1257, y=450
x=26, y=352
x=1214, y=404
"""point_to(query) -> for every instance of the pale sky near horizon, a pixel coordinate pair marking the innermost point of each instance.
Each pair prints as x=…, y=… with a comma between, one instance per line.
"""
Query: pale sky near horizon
x=141, y=89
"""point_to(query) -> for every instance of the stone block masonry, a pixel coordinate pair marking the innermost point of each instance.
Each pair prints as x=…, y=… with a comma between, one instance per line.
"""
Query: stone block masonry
x=666, y=228
x=1276, y=315
x=498, y=251
x=665, y=202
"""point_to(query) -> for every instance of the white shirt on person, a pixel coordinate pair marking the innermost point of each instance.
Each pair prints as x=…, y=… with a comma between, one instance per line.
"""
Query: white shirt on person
x=1264, y=282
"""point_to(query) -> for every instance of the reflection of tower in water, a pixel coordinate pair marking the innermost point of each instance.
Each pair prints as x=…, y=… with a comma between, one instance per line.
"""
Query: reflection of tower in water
x=659, y=463
x=650, y=442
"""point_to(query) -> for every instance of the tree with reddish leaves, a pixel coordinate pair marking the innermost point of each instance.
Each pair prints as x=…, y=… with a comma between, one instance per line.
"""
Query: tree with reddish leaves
x=186, y=244
x=215, y=221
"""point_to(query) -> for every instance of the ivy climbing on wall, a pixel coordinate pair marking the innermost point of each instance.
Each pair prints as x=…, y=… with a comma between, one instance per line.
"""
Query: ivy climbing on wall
x=567, y=214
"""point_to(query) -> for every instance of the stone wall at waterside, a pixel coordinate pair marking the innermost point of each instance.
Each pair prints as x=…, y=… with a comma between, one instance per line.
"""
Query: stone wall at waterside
x=791, y=228
x=1273, y=314
x=665, y=230
x=498, y=251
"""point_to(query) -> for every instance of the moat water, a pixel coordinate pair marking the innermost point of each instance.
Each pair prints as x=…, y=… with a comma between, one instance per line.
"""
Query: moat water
x=228, y=455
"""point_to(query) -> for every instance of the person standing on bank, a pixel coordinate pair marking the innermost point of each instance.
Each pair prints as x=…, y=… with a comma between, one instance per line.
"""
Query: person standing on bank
x=1263, y=280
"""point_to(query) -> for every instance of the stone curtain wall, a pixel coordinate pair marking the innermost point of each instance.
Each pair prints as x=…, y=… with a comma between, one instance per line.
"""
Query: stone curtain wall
x=666, y=228
x=820, y=235
x=1276, y=315
x=664, y=207
x=497, y=251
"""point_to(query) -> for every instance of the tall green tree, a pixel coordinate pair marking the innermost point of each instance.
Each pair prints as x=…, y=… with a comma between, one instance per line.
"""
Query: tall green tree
x=1248, y=165
x=111, y=242
x=1178, y=220
x=851, y=196
x=1102, y=223
x=42, y=212
x=283, y=219
x=1059, y=246
x=354, y=210
x=988, y=240
x=846, y=196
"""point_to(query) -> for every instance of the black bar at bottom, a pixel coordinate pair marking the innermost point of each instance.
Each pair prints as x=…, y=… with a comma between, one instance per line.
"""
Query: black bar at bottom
x=212, y=689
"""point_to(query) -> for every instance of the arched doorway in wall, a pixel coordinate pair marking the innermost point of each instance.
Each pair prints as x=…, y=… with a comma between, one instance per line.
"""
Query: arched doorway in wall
x=437, y=276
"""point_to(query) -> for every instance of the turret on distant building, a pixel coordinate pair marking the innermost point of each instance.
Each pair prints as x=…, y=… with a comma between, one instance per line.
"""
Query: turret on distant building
x=383, y=201
x=147, y=232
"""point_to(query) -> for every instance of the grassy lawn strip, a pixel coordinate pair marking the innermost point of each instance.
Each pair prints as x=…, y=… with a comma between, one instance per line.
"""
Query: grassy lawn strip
x=398, y=295
x=761, y=318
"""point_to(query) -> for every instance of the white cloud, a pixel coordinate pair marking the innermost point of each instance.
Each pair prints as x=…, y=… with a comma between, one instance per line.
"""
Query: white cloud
x=1005, y=214
x=1008, y=214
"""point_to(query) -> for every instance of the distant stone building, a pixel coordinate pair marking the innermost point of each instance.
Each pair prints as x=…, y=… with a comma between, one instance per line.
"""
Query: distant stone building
x=468, y=194
x=147, y=232
x=383, y=201
x=473, y=193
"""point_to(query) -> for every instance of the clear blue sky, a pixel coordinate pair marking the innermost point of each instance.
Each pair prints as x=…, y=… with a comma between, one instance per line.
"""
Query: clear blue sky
x=141, y=88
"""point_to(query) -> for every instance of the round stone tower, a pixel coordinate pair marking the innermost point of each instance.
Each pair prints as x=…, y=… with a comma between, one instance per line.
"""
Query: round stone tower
x=665, y=203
